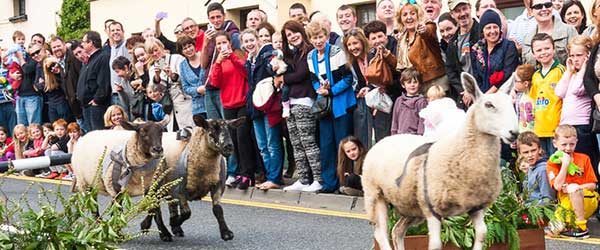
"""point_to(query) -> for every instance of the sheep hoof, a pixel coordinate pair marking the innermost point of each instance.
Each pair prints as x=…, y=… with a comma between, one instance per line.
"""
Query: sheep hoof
x=166, y=237
x=177, y=231
x=226, y=235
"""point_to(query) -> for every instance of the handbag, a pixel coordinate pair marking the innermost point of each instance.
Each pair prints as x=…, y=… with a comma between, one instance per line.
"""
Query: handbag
x=321, y=108
x=379, y=101
x=596, y=121
x=136, y=107
x=378, y=71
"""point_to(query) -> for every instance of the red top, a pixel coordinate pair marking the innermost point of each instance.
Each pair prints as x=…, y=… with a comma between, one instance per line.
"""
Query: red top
x=199, y=40
x=7, y=146
x=230, y=77
x=583, y=162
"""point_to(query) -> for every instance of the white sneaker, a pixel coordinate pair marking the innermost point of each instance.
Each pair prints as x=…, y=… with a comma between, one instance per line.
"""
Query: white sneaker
x=297, y=186
x=43, y=175
x=314, y=187
x=68, y=177
x=230, y=179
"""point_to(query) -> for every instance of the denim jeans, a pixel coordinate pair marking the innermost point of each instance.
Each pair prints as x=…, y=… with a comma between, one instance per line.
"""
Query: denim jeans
x=60, y=111
x=212, y=102
x=8, y=117
x=93, y=117
x=269, y=145
x=29, y=109
x=332, y=131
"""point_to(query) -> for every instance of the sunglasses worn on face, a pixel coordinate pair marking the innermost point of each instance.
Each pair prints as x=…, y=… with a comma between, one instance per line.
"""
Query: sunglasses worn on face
x=539, y=6
x=35, y=53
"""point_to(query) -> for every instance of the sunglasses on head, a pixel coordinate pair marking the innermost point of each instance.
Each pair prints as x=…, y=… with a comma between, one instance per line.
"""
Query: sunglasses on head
x=540, y=6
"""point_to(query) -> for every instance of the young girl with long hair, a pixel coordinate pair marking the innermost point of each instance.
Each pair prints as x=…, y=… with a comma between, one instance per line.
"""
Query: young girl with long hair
x=266, y=118
x=351, y=155
x=576, y=104
x=230, y=76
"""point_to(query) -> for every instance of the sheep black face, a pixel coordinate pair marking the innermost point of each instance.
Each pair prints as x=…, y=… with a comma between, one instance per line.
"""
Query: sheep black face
x=149, y=136
x=219, y=135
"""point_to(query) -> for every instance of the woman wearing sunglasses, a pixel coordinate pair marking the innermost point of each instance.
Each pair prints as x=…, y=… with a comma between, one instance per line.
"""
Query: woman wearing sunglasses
x=547, y=23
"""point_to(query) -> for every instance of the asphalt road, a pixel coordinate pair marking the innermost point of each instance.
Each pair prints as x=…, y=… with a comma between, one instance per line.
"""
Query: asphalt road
x=260, y=228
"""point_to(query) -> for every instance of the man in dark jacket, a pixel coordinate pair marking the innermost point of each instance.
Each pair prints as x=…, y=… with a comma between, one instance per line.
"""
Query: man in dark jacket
x=70, y=68
x=458, y=57
x=93, y=86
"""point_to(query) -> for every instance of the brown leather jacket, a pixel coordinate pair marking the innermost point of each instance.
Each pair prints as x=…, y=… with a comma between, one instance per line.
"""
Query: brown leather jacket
x=425, y=54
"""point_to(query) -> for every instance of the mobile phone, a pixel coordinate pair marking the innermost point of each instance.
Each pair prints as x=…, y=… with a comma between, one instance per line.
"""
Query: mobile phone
x=210, y=27
x=162, y=14
x=224, y=47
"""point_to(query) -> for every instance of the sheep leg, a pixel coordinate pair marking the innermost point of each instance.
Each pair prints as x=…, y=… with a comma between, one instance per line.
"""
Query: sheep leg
x=146, y=223
x=399, y=231
x=164, y=234
x=477, y=218
x=183, y=214
x=174, y=220
x=435, y=229
x=381, y=228
x=215, y=193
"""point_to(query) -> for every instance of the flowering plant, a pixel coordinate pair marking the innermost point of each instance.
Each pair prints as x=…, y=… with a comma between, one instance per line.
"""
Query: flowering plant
x=478, y=50
x=496, y=77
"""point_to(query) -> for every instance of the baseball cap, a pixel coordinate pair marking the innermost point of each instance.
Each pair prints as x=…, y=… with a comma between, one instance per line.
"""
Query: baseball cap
x=453, y=3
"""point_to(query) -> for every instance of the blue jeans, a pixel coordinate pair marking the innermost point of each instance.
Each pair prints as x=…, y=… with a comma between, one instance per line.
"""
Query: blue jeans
x=93, y=117
x=29, y=109
x=8, y=117
x=212, y=102
x=331, y=132
x=60, y=111
x=269, y=144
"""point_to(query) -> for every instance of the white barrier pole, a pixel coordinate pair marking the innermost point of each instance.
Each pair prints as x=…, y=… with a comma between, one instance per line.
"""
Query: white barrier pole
x=36, y=162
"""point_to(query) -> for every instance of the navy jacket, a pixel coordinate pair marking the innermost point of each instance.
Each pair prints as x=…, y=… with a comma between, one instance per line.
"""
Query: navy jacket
x=504, y=58
x=260, y=71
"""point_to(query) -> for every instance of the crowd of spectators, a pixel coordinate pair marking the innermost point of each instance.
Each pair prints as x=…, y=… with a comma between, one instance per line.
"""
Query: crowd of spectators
x=318, y=99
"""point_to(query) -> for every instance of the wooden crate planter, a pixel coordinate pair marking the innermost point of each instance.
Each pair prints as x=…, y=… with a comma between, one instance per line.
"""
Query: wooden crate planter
x=531, y=239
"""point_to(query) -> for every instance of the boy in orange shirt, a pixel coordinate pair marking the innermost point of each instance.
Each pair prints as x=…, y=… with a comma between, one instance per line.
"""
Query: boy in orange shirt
x=576, y=189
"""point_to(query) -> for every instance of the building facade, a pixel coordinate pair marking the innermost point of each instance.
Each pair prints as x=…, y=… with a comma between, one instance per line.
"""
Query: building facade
x=28, y=16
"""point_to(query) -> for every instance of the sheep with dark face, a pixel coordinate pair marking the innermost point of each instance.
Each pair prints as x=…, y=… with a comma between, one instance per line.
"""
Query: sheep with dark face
x=142, y=144
x=131, y=159
x=201, y=164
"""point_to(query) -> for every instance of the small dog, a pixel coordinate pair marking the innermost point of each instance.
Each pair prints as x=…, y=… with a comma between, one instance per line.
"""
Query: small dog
x=278, y=60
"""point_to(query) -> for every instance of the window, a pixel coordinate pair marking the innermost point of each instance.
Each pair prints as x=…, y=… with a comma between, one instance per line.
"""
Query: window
x=19, y=11
x=243, y=16
x=365, y=13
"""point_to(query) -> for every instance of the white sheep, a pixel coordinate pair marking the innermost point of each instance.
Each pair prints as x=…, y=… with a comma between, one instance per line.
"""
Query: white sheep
x=142, y=144
x=201, y=165
x=460, y=173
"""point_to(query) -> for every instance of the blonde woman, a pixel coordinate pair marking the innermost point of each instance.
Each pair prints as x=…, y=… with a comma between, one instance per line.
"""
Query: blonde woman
x=165, y=70
x=113, y=117
x=54, y=91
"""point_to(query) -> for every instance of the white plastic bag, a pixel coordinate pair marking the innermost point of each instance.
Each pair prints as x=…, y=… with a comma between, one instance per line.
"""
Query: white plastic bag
x=379, y=101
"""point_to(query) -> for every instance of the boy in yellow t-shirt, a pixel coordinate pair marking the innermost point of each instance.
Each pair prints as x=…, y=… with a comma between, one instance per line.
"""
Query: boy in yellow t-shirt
x=547, y=105
x=572, y=175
